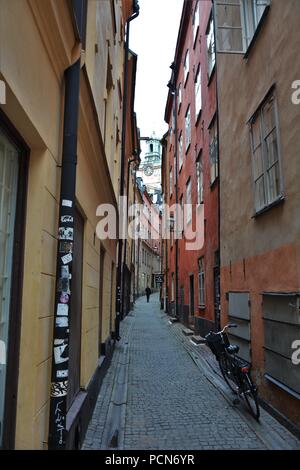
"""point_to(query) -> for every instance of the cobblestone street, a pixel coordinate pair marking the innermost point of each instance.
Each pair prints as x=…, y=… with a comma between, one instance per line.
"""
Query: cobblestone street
x=157, y=394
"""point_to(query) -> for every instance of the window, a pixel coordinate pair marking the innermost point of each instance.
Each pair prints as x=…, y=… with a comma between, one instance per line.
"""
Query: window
x=252, y=11
x=179, y=96
x=213, y=151
x=187, y=128
x=198, y=96
x=199, y=170
x=268, y=185
x=196, y=21
x=181, y=228
x=201, y=282
x=211, y=52
x=186, y=66
x=189, y=201
x=171, y=181
x=180, y=151
x=237, y=22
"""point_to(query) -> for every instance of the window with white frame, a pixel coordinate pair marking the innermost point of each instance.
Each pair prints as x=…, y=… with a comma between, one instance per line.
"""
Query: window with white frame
x=186, y=66
x=181, y=228
x=189, y=201
x=237, y=22
x=187, y=128
x=199, y=170
x=196, y=20
x=171, y=181
x=211, y=51
x=201, y=282
x=268, y=184
x=180, y=151
x=198, y=95
x=213, y=150
x=179, y=95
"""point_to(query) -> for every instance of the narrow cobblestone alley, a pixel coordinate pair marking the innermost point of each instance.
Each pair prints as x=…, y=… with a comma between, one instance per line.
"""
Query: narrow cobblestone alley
x=155, y=397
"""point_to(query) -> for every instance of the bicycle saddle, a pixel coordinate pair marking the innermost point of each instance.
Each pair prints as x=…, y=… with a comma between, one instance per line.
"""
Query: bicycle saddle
x=233, y=349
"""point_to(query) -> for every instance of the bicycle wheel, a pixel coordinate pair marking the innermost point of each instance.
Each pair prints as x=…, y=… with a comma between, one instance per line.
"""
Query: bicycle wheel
x=250, y=396
x=228, y=373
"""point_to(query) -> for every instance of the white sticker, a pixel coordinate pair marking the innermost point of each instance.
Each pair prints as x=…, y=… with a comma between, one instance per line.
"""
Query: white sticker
x=61, y=373
x=62, y=322
x=65, y=233
x=62, y=310
x=66, y=218
x=60, y=351
x=67, y=258
x=66, y=203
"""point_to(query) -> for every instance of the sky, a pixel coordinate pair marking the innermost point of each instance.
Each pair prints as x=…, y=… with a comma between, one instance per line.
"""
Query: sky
x=153, y=36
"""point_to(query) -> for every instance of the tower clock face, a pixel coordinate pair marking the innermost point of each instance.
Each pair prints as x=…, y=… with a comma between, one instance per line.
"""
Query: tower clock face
x=148, y=170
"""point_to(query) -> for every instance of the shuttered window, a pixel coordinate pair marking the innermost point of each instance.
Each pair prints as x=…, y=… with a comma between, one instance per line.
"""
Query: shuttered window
x=281, y=329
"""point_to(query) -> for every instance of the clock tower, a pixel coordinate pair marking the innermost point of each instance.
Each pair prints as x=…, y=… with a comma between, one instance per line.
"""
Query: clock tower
x=150, y=166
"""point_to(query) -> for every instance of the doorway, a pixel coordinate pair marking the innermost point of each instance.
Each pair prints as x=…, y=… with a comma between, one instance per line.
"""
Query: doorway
x=192, y=296
x=13, y=181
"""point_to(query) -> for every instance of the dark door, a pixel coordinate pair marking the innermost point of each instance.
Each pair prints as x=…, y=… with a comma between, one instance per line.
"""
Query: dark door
x=217, y=297
x=102, y=255
x=76, y=307
x=13, y=179
x=192, y=296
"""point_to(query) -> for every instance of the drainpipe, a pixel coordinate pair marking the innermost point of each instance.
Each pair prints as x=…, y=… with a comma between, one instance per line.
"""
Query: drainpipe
x=218, y=320
x=64, y=266
x=120, y=273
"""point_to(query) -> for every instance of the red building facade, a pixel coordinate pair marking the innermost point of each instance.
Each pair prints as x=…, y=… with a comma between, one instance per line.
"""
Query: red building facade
x=190, y=159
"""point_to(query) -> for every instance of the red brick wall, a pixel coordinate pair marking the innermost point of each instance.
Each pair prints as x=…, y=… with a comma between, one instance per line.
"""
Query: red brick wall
x=188, y=260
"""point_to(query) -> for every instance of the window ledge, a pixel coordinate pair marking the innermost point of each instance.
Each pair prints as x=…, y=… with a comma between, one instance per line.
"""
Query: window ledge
x=270, y=206
x=256, y=33
x=202, y=307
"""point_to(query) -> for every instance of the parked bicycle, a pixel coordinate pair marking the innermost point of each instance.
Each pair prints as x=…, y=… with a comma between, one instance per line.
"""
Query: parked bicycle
x=236, y=371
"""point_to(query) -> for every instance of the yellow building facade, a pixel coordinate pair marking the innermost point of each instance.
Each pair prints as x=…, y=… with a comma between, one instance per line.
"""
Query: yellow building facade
x=33, y=60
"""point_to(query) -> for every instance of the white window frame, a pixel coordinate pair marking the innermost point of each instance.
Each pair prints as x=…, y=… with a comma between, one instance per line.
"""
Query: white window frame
x=198, y=93
x=245, y=22
x=171, y=181
x=187, y=128
x=199, y=171
x=213, y=151
x=180, y=150
x=189, y=201
x=201, y=282
x=179, y=96
x=261, y=149
x=196, y=21
x=186, y=66
x=211, y=47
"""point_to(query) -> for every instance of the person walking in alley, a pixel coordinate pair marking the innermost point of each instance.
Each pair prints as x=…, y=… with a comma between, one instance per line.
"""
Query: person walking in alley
x=148, y=293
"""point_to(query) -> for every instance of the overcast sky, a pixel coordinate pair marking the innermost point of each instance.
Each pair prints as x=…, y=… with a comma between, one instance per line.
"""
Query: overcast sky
x=153, y=36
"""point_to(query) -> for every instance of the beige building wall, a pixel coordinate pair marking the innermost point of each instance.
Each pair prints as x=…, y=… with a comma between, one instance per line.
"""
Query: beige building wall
x=32, y=64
